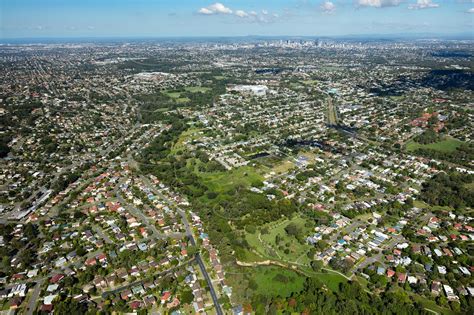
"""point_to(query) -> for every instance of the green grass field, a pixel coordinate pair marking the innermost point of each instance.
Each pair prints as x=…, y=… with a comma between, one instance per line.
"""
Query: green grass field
x=224, y=181
x=423, y=205
x=470, y=186
x=188, y=135
x=429, y=304
x=176, y=95
x=283, y=167
x=331, y=280
x=197, y=89
x=173, y=94
x=310, y=82
x=446, y=145
x=273, y=281
x=182, y=100
x=296, y=86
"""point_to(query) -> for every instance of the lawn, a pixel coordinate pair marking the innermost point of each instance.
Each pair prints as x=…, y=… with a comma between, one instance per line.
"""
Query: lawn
x=310, y=82
x=364, y=217
x=250, y=257
x=188, y=135
x=309, y=155
x=295, y=86
x=331, y=280
x=220, y=182
x=283, y=167
x=446, y=145
x=182, y=100
x=196, y=89
x=429, y=304
x=173, y=94
x=470, y=186
x=423, y=205
x=273, y=281
x=176, y=95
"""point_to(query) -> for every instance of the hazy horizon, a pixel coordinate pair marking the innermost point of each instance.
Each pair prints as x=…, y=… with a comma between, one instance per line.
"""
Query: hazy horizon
x=145, y=18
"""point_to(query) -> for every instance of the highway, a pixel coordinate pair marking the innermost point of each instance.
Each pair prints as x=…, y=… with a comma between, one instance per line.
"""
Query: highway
x=332, y=113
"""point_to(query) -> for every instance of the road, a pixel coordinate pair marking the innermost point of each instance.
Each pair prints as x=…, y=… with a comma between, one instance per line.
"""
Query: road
x=101, y=233
x=332, y=113
x=370, y=260
x=120, y=289
x=193, y=242
x=145, y=220
x=30, y=308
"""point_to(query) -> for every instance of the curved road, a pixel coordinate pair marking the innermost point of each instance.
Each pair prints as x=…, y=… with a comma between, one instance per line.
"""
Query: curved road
x=193, y=242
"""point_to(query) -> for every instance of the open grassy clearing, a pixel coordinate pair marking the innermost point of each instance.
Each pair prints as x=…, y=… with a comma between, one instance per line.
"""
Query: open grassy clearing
x=274, y=281
x=251, y=257
x=331, y=280
x=177, y=95
x=364, y=217
x=182, y=100
x=310, y=82
x=283, y=167
x=188, y=135
x=173, y=94
x=423, y=205
x=470, y=186
x=296, y=86
x=221, y=182
x=197, y=89
x=264, y=280
x=432, y=305
x=446, y=145
x=309, y=155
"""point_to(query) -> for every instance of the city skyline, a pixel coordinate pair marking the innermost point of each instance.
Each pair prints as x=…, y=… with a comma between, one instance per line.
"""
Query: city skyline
x=144, y=18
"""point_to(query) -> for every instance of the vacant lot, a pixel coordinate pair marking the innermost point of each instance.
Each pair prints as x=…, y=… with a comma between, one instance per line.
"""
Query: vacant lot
x=274, y=281
x=221, y=182
x=310, y=82
x=197, y=89
x=446, y=145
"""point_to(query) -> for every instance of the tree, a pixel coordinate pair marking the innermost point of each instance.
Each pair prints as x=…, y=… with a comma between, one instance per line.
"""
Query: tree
x=292, y=229
x=187, y=296
x=317, y=265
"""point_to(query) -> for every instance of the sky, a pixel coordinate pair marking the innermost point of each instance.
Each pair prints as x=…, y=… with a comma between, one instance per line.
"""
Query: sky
x=189, y=18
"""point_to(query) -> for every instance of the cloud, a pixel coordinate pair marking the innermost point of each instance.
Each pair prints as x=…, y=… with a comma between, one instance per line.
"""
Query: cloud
x=263, y=17
x=328, y=7
x=423, y=4
x=241, y=13
x=216, y=8
x=205, y=11
x=377, y=3
x=471, y=10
